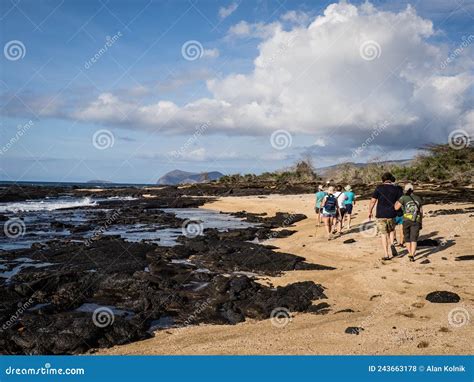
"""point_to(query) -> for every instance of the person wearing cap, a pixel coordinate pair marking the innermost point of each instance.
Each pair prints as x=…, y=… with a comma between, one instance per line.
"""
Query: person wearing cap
x=385, y=196
x=349, y=203
x=412, y=206
x=319, y=198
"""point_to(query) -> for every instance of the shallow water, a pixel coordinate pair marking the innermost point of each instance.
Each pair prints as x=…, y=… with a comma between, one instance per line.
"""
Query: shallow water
x=91, y=308
x=37, y=218
x=20, y=264
x=202, y=218
x=164, y=322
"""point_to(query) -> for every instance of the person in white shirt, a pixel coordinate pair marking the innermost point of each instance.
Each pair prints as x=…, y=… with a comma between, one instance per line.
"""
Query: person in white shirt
x=341, y=198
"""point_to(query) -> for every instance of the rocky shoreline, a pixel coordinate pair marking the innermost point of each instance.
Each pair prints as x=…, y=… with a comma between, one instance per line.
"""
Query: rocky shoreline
x=440, y=192
x=72, y=295
x=87, y=290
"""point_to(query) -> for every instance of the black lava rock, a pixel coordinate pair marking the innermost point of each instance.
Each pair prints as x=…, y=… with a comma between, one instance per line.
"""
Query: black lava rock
x=353, y=330
x=443, y=297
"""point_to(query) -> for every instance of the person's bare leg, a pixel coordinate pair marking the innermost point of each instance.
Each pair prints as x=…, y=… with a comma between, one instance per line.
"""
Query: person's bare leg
x=410, y=249
x=413, y=247
x=392, y=237
x=328, y=225
x=349, y=217
x=385, y=243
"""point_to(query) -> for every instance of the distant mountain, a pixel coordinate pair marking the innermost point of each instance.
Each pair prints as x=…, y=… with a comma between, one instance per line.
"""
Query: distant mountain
x=184, y=177
x=96, y=181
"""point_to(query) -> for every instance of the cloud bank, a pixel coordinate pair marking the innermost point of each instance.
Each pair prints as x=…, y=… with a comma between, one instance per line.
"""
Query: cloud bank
x=337, y=76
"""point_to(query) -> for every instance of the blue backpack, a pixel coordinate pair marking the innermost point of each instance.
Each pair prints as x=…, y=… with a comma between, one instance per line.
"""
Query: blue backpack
x=331, y=204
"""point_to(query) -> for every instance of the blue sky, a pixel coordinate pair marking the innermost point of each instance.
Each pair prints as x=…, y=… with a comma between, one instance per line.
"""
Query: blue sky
x=270, y=84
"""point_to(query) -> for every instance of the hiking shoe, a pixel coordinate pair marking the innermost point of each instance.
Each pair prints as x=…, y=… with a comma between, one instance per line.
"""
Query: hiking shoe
x=411, y=258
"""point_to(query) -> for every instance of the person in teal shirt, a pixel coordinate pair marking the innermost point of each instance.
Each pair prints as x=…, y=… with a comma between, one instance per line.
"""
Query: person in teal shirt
x=319, y=198
x=349, y=203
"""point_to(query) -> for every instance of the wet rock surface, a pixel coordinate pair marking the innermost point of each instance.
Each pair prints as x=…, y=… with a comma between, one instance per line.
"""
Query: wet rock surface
x=68, y=296
x=443, y=297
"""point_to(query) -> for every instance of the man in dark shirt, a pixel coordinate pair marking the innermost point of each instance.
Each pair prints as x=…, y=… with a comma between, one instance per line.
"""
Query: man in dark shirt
x=385, y=196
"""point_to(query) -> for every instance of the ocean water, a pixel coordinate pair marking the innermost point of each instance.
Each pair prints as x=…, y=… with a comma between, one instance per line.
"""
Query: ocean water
x=71, y=184
x=34, y=222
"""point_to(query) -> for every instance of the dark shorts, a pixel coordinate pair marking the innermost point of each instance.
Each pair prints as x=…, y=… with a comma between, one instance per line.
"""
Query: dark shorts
x=342, y=212
x=411, y=230
x=348, y=209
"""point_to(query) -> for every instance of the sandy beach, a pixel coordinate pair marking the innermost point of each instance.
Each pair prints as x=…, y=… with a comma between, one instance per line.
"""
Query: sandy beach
x=386, y=299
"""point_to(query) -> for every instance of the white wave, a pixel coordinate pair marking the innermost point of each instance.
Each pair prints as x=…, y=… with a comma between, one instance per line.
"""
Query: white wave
x=122, y=198
x=45, y=205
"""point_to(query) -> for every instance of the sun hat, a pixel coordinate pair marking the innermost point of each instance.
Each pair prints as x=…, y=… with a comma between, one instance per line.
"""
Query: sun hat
x=408, y=186
x=320, y=187
x=348, y=188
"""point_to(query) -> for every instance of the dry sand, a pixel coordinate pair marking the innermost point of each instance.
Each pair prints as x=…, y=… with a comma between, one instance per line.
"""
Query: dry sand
x=388, y=299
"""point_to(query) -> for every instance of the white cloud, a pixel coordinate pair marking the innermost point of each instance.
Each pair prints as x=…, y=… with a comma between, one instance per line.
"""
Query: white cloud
x=314, y=80
x=296, y=17
x=225, y=12
x=243, y=29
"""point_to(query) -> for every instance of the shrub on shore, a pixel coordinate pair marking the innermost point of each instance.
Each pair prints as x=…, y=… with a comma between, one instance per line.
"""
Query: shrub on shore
x=435, y=163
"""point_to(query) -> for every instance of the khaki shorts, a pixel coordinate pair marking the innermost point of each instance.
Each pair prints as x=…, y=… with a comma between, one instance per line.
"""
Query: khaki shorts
x=385, y=225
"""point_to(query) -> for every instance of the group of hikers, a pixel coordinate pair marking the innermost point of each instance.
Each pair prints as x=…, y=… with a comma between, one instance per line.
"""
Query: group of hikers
x=394, y=206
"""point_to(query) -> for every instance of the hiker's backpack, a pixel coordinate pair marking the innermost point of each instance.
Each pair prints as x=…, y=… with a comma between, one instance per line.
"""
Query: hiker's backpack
x=331, y=203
